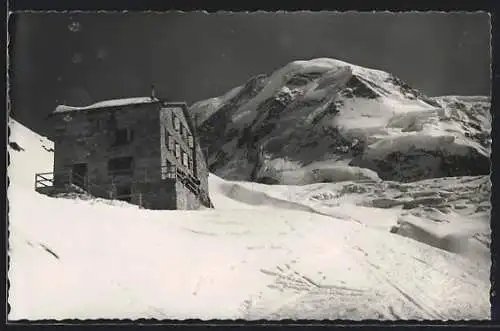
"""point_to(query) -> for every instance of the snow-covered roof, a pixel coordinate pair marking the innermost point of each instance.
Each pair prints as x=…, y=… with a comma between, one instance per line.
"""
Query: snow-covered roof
x=107, y=103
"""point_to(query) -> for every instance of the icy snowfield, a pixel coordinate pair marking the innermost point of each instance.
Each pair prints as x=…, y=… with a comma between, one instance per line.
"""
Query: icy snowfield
x=321, y=251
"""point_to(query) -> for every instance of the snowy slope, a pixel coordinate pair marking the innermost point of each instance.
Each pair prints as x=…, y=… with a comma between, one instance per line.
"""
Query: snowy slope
x=206, y=108
x=452, y=213
x=264, y=252
x=29, y=153
x=342, y=115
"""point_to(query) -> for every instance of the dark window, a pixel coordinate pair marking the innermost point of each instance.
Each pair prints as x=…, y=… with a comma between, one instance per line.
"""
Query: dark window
x=60, y=127
x=177, y=151
x=171, y=142
x=190, y=160
x=190, y=141
x=94, y=119
x=177, y=124
x=121, y=166
x=123, y=136
x=167, y=137
x=111, y=120
x=169, y=170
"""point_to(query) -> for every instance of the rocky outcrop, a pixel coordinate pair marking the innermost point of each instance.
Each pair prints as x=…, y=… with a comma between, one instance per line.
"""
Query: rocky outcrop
x=419, y=164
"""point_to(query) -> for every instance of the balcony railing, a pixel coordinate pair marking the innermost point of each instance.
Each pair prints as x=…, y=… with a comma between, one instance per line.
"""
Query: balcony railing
x=68, y=179
x=45, y=179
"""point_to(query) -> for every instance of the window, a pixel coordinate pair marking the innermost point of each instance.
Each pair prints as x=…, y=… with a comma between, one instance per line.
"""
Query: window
x=177, y=151
x=185, y=133
x=123, y=137
x=190, y=160
x=111, y=120
x=185, y=159
x=169, y=140
x=96, y=119
x=169, y=170
x=177, y=123
x=60, y=128
x=120, y=166
x=171, y=143
x=190, y=141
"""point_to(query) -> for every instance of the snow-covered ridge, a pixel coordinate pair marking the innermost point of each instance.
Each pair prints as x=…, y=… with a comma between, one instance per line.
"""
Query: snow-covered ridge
x=465, y=98
x=107, y=103
x=326, y=110
x=206, y=108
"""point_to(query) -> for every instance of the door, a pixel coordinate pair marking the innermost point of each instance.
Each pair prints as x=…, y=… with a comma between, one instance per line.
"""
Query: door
x=79, y=174
x=124, y=192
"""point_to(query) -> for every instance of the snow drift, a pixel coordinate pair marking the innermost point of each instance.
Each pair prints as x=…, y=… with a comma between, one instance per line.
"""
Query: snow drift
x=336, y=112
x=320, y=251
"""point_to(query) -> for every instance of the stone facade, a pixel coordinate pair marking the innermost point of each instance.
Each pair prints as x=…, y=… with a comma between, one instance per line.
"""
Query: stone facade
x=146, y=153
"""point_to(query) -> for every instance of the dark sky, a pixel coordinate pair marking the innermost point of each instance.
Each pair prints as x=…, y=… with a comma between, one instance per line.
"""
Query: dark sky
x=194, y=56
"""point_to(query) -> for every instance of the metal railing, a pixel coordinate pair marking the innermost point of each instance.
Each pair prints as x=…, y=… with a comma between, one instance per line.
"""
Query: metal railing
x=48, y=179
x=41, y=180
x=145, y=174
x=62, y=179
x=81, y=183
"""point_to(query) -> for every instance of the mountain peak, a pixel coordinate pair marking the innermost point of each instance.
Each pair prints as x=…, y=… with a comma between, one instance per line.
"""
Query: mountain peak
x=323, y=112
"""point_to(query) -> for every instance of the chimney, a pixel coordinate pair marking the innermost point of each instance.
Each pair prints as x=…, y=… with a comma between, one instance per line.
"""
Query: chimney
x=153, y=94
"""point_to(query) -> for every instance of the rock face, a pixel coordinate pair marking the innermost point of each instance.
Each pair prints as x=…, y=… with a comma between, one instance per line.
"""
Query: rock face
x=322, y=120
